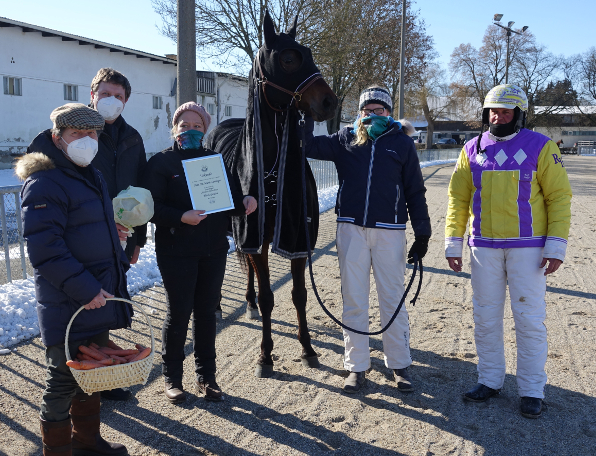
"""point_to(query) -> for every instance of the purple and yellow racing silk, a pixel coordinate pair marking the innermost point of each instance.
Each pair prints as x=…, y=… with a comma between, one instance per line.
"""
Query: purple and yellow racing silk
x=514, y=194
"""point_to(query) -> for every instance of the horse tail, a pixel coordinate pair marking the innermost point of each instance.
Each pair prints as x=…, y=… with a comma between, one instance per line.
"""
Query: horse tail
x=243, y=260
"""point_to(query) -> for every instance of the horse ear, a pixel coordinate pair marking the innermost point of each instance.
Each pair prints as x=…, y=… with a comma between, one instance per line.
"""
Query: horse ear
x=269, y=31
x=292, y=31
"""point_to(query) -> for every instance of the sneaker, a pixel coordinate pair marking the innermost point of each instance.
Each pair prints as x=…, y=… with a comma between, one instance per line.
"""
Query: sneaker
x=354, y=382
x=174, y=392
x=403, y=379
x=531, y=407
x=480, y=393
x=211, y=390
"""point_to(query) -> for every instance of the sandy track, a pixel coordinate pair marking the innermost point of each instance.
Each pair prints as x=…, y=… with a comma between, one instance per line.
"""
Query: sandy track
x=303, y=411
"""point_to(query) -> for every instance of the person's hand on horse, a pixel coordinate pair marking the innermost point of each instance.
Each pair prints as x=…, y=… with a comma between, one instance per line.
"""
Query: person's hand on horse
x=553, y=265
x=193, y=217
x=99, y=300
x=250, y=204
x=420, y=247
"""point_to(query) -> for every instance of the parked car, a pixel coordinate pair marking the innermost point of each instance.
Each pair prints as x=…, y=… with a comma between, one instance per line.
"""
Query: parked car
x=446, y=141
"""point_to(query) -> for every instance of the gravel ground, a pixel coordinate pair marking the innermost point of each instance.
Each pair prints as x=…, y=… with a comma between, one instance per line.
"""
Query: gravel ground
x=303, y=411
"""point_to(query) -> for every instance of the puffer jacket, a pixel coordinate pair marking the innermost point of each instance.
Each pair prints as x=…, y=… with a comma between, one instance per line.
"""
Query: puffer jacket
x=380, y=182
x=515, y=194
x=73, y=245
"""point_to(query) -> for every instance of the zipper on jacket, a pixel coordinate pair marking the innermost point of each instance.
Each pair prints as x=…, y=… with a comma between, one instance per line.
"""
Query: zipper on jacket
x=396, y=201
x=370, y=166
x=341, y=187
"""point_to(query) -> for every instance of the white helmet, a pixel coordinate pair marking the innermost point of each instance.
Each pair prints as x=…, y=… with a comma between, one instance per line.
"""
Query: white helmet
x=506, y=96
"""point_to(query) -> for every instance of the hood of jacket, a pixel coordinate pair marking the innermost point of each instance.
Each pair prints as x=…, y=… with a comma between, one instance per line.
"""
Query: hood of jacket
x=32, y=163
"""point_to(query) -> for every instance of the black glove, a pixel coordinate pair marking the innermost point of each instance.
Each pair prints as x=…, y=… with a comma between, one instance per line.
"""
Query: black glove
x=419, y=247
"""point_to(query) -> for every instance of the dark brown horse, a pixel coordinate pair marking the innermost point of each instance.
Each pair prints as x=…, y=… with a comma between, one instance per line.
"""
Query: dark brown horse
x=263, y=152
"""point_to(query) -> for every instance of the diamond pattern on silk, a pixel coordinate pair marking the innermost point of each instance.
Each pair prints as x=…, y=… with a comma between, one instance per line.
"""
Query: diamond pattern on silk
x=520, y=156
x=501, y=157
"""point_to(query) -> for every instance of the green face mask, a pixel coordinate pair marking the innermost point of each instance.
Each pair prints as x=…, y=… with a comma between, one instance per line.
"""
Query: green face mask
x=375, y=125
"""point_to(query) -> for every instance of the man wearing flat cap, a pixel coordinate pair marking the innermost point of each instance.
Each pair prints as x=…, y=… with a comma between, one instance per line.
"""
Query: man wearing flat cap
x=73, y=245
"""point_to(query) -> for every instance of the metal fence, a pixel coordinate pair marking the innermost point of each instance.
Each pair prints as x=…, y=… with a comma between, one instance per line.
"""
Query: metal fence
x=586, y=150
x=13, y=261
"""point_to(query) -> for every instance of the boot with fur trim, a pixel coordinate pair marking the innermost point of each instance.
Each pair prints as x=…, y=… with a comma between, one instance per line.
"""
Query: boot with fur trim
x=56, y=437
x=86, y=440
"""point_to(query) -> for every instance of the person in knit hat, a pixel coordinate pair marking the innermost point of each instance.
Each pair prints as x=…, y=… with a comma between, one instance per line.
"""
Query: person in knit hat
x=74, y=248
x=191, y=250
x=380, y=184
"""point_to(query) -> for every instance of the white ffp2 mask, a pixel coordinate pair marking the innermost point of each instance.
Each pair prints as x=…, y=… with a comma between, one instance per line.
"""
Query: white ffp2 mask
x=110, y=108
x=81, y=151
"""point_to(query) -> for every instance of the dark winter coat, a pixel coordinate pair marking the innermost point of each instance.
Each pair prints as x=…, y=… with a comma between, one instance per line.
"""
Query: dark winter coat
x=380, y=182
x=121, y=162
x=166, y=180
x=68, y=222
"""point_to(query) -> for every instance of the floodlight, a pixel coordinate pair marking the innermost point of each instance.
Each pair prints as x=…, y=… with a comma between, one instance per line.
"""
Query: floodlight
x=497, y=17
x=524, y=28
x=510, y=24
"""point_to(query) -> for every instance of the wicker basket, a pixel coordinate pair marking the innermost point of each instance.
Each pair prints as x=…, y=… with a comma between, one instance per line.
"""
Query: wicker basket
x=118, y=376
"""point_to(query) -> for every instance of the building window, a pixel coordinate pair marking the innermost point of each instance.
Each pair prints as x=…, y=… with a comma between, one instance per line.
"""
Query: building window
x=12, y=86
x=228, y=111
x=157, y=102
x=211, y=108
x=71, y=92
x=206, y=82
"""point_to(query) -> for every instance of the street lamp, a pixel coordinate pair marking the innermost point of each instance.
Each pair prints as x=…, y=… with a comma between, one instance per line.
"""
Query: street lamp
x=496, y=19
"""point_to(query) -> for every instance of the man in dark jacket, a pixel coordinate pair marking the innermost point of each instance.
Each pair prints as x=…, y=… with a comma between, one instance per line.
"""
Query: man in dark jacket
x=121, y=156
x=73, y=245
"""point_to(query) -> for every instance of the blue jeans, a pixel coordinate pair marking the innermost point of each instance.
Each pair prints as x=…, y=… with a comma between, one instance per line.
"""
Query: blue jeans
x=193, y=286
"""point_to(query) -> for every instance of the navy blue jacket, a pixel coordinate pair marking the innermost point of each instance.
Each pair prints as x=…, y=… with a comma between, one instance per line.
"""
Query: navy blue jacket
x=68, y=222
x=380, y=182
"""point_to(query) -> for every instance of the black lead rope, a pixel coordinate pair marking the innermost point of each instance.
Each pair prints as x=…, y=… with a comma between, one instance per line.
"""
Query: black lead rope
x=417, y=261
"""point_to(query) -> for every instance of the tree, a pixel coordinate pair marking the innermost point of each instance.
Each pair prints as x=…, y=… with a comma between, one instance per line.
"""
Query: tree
x=587, y=74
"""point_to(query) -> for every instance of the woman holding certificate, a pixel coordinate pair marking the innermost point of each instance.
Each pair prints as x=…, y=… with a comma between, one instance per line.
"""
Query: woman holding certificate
x=191, y=245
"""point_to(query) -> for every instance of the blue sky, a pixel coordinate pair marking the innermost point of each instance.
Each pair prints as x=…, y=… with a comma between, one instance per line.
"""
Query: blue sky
x=564, y=27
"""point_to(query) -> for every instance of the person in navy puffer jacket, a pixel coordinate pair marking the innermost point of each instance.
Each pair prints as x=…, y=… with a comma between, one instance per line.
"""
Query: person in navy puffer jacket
x=73, y=245
x=380, y=183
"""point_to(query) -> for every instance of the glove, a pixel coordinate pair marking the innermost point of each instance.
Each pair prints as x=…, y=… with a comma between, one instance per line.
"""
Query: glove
x=420, y=246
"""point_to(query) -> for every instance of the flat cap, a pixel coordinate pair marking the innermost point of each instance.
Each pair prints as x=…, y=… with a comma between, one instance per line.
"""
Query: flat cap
x=77, y=116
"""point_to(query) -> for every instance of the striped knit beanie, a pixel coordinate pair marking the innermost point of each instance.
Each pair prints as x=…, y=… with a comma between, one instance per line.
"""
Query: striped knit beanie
x=375, y=95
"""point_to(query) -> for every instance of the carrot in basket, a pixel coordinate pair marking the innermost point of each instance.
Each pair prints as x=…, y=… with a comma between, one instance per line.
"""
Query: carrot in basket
x=121, y=353
x=113, y=346
x=140, y=347
x=107, y=362
x=94, y=345
x=96, y=354
x=141, y=355
x=83, y=365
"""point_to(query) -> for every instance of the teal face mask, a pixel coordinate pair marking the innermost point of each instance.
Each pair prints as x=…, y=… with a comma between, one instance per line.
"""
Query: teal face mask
x=375, y=125
x=190, y=139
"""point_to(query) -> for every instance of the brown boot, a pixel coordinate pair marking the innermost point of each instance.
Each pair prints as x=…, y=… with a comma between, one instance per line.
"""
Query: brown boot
x=56, y=437
x=86, y=440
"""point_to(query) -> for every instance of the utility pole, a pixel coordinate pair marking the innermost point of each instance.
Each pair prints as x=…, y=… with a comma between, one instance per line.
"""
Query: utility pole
x=402, y=59
x=186, y=89
x=496, y=19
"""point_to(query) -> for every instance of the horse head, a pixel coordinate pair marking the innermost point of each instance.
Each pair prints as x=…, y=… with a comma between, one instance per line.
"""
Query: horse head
x=289, y=76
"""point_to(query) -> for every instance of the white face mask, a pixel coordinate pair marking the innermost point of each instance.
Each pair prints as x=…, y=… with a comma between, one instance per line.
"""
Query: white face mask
x=110, y=108
x=81, y=151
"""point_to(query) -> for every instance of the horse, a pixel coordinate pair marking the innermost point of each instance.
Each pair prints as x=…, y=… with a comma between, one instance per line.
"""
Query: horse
x=263, y=153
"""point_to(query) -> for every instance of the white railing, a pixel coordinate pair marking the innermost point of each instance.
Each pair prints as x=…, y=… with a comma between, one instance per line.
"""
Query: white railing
x=12, y=255
x=586, y=150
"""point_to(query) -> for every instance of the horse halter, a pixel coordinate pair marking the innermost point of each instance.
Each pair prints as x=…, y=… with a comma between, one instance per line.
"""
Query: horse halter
x=296, y=95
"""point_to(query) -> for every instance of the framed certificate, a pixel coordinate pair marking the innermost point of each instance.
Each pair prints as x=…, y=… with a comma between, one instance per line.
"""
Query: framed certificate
x=208, y=184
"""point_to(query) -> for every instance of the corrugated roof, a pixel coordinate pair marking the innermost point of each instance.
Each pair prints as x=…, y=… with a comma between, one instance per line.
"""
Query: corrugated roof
x=45, y=32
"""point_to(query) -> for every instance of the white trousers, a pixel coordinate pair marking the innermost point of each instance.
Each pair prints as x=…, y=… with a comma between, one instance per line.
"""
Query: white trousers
x=385, y=250
x=492, y=269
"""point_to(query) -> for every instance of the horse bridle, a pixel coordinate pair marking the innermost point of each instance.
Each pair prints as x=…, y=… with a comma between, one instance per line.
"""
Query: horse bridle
x=296, y=95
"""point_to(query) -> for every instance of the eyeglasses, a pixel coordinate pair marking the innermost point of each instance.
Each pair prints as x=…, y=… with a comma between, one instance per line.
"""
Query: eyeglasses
x=376, y=111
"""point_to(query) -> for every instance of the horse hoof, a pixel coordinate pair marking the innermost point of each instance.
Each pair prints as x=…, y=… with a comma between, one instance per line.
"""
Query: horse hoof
x=252, y=314
x=264, y=370
x=310, y=361
x=218, y=315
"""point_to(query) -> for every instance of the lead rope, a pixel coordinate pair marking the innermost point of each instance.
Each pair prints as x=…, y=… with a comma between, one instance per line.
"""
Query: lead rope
x=417, y=261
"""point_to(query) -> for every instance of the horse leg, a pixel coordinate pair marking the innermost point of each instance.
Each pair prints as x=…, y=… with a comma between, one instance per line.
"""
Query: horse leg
x=265, y=362
x=252, y=312
x=309, y=356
